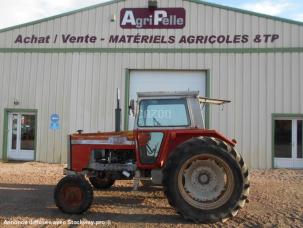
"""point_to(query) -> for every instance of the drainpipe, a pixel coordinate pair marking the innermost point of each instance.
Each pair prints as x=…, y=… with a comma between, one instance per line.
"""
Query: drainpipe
x=118, y=113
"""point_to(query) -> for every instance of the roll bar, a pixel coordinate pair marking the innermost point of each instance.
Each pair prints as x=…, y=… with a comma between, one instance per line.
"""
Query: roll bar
x=206, y=100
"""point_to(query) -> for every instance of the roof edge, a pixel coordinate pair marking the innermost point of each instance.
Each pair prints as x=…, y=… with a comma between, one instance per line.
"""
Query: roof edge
x=60, y=15
x=281, y=19
x=168, y=94
x=117, y=1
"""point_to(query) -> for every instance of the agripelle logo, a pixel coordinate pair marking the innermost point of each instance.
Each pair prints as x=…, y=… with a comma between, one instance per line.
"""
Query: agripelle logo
x=160, y=18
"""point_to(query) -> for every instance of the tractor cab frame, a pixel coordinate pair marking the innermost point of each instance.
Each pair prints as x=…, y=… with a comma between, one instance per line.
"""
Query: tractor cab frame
x=161, y=118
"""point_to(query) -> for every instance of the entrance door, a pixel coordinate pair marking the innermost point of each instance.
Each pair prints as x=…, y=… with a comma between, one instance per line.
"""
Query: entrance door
x=288, y=143
x=21, y=136
x=167, y=81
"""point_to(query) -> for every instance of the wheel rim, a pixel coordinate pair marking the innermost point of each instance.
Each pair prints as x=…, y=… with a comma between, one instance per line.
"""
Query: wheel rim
x=206, y=182
x=71, y=196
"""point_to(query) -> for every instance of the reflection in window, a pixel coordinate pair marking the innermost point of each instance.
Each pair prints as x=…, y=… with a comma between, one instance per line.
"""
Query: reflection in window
x=163, y=112
x=283, y=140
x=14, y=131
x=299, y=139
x=149, y=144
x=28, y=123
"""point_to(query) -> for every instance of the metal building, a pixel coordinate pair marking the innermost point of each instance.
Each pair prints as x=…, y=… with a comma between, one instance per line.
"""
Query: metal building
x=60, y=74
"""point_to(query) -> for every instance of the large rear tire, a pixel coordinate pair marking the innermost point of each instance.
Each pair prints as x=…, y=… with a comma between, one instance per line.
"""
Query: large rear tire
x=73, y=195
x=206, y=180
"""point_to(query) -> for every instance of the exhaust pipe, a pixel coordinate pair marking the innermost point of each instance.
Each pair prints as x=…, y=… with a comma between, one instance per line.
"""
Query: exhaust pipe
x=118, y=113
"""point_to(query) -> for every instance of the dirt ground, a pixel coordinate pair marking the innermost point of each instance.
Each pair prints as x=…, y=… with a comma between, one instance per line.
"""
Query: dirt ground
x=26, y=197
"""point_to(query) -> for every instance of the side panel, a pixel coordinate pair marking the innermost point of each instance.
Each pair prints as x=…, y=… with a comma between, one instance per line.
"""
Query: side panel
x=80, y=155
x=173, y=138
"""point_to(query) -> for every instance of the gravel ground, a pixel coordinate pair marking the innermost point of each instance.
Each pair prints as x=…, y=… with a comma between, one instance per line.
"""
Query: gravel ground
x=26, y=196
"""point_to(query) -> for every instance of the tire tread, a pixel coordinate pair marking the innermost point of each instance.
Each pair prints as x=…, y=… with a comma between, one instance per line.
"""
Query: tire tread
x=210, y=141
x=82, y=182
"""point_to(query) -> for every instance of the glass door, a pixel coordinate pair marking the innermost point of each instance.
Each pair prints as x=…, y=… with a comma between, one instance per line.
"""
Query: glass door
x=288, y=143
x=21, y=136
x=298, y=150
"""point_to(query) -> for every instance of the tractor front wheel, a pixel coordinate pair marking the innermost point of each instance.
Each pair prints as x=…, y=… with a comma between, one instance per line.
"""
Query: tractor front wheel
x=206, y=180
x=73, y=194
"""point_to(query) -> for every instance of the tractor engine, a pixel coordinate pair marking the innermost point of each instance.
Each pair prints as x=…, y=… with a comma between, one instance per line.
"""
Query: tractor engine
x=118, y=164
x=113, y=156
x=104, y=157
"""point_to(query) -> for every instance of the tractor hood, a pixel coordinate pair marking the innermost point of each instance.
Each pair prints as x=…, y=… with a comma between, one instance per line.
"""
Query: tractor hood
x=106, y=138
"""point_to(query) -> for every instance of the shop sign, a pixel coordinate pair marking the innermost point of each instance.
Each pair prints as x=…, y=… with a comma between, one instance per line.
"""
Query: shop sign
x=145, y=18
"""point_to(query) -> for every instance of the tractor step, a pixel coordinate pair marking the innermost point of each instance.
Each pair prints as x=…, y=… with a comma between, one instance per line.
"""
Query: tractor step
x=112, y=167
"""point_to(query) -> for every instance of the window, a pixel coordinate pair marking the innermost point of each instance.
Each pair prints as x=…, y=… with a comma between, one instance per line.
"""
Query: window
x=283, y=138
x=163, y=113
x=299, y=139
x=150, y=144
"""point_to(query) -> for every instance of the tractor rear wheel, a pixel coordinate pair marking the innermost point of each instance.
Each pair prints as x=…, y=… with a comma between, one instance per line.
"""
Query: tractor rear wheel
x=101, y=182
x=73, y=194
x=206, y=180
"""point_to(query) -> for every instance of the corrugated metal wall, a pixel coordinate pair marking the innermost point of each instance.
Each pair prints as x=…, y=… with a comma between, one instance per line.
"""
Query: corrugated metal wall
x=80, y=87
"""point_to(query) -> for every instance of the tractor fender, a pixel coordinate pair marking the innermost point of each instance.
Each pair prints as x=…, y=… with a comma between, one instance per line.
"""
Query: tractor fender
x=178, y=137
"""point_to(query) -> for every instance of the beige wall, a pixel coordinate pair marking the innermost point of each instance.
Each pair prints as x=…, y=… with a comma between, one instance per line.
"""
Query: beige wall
x=80, y=87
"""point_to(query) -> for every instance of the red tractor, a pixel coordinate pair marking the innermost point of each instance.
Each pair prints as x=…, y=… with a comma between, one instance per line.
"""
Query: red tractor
x=202, y=175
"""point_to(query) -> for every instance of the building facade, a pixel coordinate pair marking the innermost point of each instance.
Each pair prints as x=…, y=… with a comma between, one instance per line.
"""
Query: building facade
x=60, y=74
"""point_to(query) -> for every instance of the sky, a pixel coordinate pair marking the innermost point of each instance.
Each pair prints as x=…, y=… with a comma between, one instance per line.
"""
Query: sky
x=14, y=12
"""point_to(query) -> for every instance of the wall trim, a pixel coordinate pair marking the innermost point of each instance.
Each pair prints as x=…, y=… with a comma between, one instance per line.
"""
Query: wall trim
x=208, y=94
x=5, y=129
x=126, y=108
x=152, y=50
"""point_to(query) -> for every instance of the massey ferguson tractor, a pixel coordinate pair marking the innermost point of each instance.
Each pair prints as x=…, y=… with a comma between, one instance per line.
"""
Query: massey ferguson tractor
x=202, y=175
